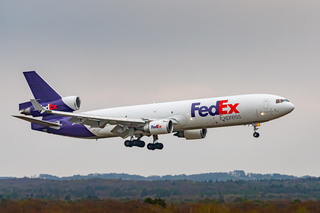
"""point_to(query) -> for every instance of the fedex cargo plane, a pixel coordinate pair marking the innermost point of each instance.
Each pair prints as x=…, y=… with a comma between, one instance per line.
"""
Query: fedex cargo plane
x=185, y=119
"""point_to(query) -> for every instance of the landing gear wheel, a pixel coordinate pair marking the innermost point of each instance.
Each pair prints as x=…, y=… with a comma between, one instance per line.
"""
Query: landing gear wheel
x=256, y=134
x=128, y=143
x=151, y=146
x=135, y=143
x=141, y=144
x=132, y=143
x=158, y=146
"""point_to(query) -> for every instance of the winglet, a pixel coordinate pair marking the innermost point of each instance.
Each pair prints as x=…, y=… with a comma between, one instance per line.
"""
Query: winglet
x=37, y=106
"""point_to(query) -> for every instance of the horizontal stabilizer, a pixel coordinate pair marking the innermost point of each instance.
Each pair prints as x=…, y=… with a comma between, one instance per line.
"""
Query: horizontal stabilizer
x=24, y=105
x=36, y=121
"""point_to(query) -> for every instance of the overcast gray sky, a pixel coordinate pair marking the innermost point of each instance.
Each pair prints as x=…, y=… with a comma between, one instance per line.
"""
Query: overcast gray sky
x=118, y=53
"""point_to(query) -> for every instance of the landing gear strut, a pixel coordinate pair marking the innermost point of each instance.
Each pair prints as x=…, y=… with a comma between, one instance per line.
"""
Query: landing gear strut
x=255, y=134
x=131, y=143
x=155, y=144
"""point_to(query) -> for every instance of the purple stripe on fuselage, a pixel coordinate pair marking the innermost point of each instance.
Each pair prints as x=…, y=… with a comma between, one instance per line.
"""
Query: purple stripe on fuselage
x=67, y=129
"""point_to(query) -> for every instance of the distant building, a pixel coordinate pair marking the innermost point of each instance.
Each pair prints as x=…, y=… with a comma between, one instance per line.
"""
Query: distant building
x=239, y=173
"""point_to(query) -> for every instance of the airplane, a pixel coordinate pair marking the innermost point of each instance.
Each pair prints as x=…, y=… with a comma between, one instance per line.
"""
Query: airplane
x=188, y=119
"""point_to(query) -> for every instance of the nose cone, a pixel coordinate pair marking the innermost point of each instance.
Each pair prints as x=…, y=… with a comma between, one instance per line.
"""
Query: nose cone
x=289, y=107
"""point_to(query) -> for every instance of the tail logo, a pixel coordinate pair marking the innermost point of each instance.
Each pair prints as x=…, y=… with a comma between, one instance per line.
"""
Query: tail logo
x=50, y=107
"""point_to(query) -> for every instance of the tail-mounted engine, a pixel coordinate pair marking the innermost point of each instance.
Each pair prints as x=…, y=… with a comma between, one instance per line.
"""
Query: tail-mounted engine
x=73, y=102
x=65, y=104
x=159, y=127
x=192, y=134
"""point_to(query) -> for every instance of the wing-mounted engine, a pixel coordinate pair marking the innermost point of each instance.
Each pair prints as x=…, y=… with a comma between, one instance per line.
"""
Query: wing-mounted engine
x=64, y=104
x=192, y=134
x=159, y=127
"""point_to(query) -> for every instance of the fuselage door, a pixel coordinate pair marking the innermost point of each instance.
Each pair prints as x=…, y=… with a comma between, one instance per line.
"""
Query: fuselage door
x=265, y=103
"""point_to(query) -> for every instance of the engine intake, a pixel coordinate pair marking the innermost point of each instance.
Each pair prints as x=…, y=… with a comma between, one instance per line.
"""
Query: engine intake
x=73, y=102
x=159, y=127
x=192, y=134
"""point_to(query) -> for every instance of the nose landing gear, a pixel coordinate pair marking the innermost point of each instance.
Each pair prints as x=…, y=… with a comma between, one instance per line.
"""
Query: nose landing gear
x=255, y=134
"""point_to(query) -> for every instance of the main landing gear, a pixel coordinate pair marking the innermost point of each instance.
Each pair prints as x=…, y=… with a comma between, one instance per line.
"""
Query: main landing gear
x=255, y=134
x=141, y=144
x=155, y=144
x=131, y=143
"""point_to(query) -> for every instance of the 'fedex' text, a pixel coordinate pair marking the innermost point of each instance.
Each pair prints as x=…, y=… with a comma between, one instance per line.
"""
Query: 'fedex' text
x=50, y=107
x=221, y=108
x=155, y=126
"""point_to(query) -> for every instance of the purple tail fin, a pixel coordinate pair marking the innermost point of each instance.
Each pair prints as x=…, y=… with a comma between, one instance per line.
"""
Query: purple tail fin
x=41, y=90
x=47, y=97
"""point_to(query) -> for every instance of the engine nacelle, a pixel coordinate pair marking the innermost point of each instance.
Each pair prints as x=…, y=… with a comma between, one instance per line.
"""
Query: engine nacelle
x=73, y=102
x=192, y=134
x=159, y=127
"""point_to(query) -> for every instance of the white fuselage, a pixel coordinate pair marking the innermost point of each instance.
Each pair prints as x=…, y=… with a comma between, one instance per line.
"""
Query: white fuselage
x=202, y=113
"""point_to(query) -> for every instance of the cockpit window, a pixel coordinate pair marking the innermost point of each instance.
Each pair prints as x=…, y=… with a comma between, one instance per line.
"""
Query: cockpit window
x=281, y=101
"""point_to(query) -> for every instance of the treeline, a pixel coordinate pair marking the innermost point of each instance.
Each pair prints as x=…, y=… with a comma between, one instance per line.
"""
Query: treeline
x=177, y=190
x=106, y=206
x=220, y=176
